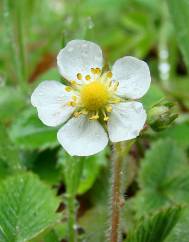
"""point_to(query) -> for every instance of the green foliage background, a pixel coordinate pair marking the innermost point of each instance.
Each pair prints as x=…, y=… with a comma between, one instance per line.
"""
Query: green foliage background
x=37, y=177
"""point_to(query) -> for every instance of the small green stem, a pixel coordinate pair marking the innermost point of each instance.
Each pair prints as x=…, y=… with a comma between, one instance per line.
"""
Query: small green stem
x=71, y=204
x=15, y=36
x=72, y=173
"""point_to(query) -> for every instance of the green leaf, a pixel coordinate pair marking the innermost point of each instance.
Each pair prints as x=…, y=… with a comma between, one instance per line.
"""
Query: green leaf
x=9, y=155
x=72, y=169
x=27, y=207
x=46, y=166
x=163, y=177
x=179, y=11
x=94, y=224
x=178, y=133
x=91, y=169
x=12, y=101
x=180, y=233
x=30, y=133
x=81, y=173
x=156, y=227
x=153, y=96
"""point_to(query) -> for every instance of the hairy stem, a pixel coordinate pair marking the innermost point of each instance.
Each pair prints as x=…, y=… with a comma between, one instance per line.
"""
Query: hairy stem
x=119, y=154
x=116, y=194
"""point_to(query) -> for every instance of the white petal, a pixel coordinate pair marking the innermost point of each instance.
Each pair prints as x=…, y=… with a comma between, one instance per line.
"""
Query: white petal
x=79, y=56
x=126, y=121
x=82, y=137
x=133, y=76
x=50, y=99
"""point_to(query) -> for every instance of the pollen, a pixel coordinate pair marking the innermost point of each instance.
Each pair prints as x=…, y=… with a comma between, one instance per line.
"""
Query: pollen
x=94, y=95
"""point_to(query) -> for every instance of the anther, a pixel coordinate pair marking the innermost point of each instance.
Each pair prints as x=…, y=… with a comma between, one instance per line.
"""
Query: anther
x=68, y=89
x=94, y=117
x=106, y=118
x=93, y=70
x=79, y=76
x=72, y=104
x=109, y=74
x=98, y=70
x=109, y=109
x=87, y=77
x=73, y=83
x=77, y=114
x=74, y=98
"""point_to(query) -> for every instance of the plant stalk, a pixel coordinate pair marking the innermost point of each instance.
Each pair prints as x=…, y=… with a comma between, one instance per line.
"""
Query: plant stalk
x=116, y=194
x=119, y=154
x=71, y=204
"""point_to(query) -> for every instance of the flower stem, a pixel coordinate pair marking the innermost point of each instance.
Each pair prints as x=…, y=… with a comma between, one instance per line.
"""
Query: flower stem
x=119, y=154
x=71, y=203
x=116, y=194
x=72, y=173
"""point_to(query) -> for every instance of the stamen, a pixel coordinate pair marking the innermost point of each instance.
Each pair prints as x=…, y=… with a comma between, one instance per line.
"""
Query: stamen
x=74, y=98
x=79, y=76
x=98, y=71
x=73, y=83
x=110, y=83
x=116, y=84
x=84, y=112
x=68, y=89
x=115, y=100
x=94, y=117
x=109, y=109
x=109, y=74
x=106, y=118
x=71, y=104
x=87, y=77
x=93, y=70
x=77, y=114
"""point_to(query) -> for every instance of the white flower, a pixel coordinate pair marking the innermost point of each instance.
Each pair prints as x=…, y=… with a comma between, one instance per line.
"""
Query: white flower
x=96, y=104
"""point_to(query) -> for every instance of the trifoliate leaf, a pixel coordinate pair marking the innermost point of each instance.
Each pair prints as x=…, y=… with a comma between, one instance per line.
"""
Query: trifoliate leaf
x=12, y=100
x=9, y=155
x=163, y=177
x=156, y=227
x=27, y=207
x=180, y=233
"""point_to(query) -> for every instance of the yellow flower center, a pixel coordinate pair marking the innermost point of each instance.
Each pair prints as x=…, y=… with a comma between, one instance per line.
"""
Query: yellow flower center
x=94, y=95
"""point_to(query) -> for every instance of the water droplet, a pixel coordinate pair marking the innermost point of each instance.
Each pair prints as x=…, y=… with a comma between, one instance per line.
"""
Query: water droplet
x=84, y=45
x=90, y=22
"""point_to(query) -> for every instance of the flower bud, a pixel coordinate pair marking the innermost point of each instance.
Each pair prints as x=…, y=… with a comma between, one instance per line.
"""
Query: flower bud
x=161, y=115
